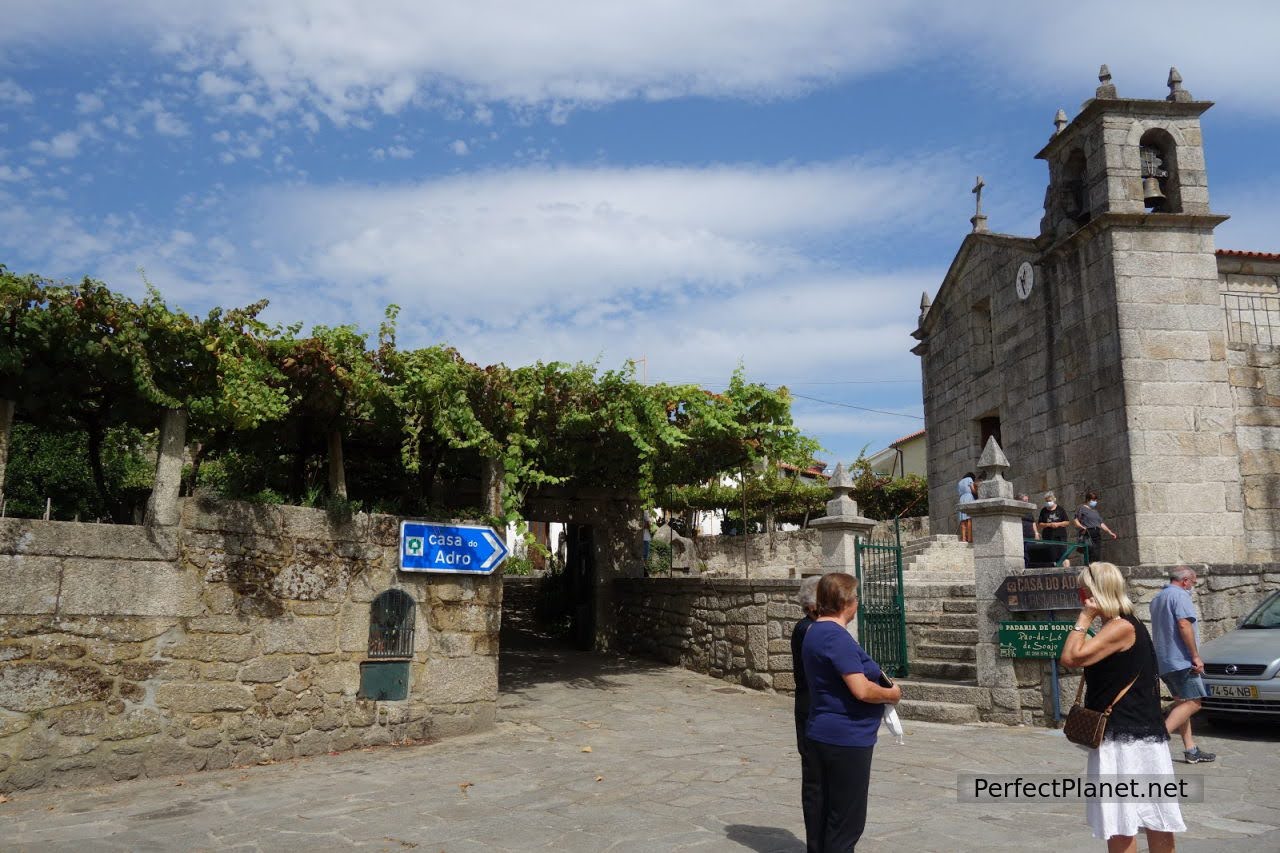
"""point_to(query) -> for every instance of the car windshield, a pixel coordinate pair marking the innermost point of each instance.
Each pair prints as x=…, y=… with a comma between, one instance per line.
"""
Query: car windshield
x=1266, y=616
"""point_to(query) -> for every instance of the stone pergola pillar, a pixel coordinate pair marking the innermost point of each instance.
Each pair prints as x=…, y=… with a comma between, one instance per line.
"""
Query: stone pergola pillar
x=841, y=526
x=997, y=553
x=162, y=506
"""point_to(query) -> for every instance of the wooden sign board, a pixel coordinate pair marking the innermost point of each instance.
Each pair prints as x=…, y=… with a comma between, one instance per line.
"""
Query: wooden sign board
x=1048, y=591
x=1033, y=639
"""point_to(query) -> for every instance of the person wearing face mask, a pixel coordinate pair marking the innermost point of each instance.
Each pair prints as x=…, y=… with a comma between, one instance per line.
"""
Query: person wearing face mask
x=1053, y=524
x=1091, y=525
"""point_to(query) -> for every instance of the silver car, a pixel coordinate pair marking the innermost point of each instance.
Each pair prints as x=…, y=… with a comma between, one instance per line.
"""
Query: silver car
x=1242, y=667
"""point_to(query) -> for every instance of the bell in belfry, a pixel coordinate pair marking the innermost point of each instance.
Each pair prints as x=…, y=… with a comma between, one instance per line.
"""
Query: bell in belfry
x=1152, y=195
x=1152, y=171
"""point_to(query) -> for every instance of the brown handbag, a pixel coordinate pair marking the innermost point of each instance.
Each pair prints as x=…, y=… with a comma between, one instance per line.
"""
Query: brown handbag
x=1086, y=727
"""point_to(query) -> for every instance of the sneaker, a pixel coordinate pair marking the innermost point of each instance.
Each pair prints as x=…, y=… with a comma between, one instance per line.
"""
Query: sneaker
x=1198, y=756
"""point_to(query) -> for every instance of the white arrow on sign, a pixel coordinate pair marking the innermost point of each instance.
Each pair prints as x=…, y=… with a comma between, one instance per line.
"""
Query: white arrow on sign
x=498, y=550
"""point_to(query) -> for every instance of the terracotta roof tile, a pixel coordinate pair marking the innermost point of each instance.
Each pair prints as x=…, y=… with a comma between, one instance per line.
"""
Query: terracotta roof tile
x=1240, y=253
x=907, y=438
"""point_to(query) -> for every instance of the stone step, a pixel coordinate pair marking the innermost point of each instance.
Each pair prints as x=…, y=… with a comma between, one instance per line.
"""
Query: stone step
x=944, y=669
x=958, y=620
x=938, y=589
x=923, y=690
x=943, y=651
x=938, y=712
x=954, y=636
x=961, y=605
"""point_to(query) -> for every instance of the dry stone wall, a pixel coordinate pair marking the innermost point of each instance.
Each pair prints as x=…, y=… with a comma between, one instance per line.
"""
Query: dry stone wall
x=736, y=630
x=233, y=639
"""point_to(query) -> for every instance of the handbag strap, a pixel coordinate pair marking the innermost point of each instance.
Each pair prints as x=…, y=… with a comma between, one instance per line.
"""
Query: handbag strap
x=1119, y=696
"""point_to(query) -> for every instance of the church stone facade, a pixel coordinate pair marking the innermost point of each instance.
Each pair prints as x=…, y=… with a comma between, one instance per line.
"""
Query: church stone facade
x=1119, y=350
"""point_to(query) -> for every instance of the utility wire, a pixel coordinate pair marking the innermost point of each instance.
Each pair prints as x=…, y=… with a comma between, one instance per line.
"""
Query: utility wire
x=859, y=408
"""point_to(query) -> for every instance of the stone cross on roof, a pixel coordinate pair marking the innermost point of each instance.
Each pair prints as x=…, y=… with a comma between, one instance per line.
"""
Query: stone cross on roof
x=979, y=219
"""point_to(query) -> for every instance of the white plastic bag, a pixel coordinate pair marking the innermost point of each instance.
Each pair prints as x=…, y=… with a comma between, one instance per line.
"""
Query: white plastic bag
x=894, y=724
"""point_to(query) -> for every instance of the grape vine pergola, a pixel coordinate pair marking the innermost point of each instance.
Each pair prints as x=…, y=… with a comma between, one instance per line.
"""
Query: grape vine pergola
x=244, y=408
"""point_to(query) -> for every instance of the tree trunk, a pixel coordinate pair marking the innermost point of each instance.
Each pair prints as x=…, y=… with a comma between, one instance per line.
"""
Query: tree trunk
x=162, y=506
x=491, y=486
x=6, y=430
x=96, y=434
x=337, y=471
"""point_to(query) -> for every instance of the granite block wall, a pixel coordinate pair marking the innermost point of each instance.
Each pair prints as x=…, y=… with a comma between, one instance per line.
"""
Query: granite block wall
x=736, y=630
x=235, y=638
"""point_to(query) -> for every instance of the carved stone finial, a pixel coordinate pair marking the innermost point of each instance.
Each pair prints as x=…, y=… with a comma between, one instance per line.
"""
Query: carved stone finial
x=841, y=505
x=840, y=482
x=1176, y=92
x=993, y=463
x=1107, y=89
x=925, y=301
x=979, y=219
x=1059, y=122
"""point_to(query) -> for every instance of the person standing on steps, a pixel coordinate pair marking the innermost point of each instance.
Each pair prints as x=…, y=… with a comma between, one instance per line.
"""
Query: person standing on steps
x=1091, y=526
x=966, y=492
x=1175, y=629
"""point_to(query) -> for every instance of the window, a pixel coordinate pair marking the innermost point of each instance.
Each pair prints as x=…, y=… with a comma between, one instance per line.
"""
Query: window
x=391, y=625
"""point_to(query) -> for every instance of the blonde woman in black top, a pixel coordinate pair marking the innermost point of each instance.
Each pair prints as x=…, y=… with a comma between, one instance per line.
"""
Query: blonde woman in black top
x=1136, y=743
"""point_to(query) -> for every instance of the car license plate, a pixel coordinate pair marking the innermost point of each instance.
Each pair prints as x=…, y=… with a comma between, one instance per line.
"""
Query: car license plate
x=1233, y=691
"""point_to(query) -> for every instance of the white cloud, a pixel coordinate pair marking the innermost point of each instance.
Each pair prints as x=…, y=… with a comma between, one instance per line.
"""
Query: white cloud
x=459, y=147
x=215, y=85
x=13, y=95
x=8, y=174
x=65, y=145
x=88, y=103
x=343, y=59
x=166, y=123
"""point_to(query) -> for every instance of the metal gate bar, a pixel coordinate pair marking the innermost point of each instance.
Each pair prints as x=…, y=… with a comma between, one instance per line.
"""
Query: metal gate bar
x=882, y=613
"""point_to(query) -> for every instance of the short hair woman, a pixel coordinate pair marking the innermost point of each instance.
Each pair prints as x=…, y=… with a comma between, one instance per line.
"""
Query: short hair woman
x=845, y=709
x=1120, y=661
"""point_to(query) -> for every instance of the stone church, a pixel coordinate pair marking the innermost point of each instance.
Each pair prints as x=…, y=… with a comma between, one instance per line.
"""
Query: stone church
x=1119, y=350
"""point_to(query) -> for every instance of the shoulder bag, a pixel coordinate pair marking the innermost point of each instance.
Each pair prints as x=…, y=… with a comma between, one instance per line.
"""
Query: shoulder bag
x=1086, y=727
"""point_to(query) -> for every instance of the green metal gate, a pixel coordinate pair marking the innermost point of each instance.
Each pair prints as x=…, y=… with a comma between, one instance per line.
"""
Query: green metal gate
x=882, y=612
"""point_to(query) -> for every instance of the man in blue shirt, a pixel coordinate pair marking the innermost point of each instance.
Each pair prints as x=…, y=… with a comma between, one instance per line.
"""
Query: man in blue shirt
x=1175, y=633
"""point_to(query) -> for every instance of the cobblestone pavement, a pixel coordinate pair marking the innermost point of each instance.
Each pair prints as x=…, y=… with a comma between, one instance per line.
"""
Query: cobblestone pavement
x=593, y=753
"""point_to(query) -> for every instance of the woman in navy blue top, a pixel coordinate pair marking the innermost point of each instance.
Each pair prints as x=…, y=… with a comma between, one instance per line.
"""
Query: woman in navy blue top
x=845, y=709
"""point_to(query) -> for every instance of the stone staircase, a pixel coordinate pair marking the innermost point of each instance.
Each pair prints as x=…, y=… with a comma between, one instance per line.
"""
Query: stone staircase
x=942, y=633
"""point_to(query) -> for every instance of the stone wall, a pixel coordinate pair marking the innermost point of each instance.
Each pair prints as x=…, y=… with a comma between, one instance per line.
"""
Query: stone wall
x=1255, y=383
x=233, y=639
x=786, y=554
x=736, y=630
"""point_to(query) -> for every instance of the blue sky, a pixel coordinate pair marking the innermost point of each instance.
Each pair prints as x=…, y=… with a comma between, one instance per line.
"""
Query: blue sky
x=691, y=184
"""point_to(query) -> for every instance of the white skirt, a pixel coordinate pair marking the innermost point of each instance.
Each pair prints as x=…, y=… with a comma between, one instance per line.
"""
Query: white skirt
x=1132, y=758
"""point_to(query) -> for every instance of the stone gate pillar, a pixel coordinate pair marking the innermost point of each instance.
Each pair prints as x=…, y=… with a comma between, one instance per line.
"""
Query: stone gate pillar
x=997, y=553
x=841, y=526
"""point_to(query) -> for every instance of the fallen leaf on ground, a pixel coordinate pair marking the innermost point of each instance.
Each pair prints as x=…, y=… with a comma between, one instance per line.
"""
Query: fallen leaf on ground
x=586, y=749
x=463, y=786
x=3, y=799
x=179, y=783
x=599, y=778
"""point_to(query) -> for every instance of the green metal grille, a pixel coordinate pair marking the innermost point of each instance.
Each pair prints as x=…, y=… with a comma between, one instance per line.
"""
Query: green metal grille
x=882, y=612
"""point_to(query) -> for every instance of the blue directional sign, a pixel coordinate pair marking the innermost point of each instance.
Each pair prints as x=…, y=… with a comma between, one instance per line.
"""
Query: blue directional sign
x=469, y=549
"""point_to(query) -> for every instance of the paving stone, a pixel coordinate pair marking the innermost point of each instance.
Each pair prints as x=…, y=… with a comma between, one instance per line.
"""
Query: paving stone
x=675, y=765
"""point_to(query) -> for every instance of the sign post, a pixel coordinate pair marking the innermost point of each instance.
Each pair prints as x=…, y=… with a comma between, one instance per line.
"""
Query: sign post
x=466, y=549
x=1050, y=591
